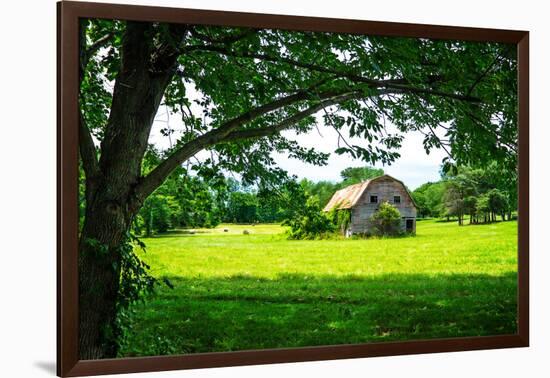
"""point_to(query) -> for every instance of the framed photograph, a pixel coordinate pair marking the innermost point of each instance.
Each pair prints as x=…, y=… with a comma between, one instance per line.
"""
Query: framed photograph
x=239, y=188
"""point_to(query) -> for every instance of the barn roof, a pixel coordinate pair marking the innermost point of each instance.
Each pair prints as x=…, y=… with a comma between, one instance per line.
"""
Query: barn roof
x=347, y=197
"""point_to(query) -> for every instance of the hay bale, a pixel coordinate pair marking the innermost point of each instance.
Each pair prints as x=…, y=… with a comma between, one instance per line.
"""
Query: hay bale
x=246, y=232
x=225, y=230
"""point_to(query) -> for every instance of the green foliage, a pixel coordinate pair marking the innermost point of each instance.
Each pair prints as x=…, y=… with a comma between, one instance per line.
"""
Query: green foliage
x=257, y=291
x=475, y=134
x=309, y=222
x=182, y=200
x=135, y=280
x=354, y=175
x=498, y=202
x=323, y=190
x=159, y=213
x=456, y=191
x=491, y=203
x=469, y=87
x=201, y=203
x=386, y=221
x=95, y=96
x=207, y=198
x=341, y=219
x=482, y=205
x=479, y=193
x=243, y=208
x=429, y=199
x=464, y=193
x=277, y=203
x=81, y=196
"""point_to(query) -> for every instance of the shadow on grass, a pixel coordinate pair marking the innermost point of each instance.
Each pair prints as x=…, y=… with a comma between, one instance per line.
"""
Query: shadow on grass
x=246, y=312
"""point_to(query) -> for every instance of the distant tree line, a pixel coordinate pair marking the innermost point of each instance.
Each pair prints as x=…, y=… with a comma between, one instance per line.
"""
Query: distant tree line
x=208, y=199
x=480, y=194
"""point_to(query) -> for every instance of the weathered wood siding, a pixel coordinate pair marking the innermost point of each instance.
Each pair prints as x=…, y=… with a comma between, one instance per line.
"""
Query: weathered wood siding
x=385, y=189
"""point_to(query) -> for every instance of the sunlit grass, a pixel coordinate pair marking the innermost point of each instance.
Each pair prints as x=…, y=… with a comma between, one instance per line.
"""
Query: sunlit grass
x=235, y=291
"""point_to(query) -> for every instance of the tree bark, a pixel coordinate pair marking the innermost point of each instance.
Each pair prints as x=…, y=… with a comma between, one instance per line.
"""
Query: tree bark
x=111, y=204
x=99, y=274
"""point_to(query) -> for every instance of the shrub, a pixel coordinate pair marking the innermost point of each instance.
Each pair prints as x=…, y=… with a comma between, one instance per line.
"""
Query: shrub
x=386, y=221
x=309, y=222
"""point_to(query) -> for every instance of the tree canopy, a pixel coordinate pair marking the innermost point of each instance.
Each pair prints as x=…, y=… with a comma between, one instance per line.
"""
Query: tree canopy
x=480, y=193
x=249, y=85
x=353, y=175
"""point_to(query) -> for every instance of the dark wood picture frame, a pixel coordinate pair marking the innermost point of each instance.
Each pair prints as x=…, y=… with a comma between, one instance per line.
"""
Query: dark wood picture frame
x=68, y=364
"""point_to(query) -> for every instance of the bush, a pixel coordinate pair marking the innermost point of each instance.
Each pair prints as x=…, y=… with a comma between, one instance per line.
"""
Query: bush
x=309, y=222
x=386, y=221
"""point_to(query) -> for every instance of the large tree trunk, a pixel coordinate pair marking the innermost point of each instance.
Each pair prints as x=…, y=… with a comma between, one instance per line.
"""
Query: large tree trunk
x=99, y=275
x=111, y=202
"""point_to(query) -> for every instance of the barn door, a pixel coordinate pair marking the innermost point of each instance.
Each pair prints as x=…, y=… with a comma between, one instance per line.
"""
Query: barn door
x=409, y=225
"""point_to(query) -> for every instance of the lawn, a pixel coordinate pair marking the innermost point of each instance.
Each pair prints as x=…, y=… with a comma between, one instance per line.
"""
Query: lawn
x=235, y=292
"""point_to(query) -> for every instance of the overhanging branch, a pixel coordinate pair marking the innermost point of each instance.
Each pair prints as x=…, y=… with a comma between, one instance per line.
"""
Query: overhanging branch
x=401, y=84
x=288, y=122
x=221, y=134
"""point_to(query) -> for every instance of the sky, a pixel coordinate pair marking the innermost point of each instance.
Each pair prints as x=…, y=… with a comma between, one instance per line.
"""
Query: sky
x=414, y=167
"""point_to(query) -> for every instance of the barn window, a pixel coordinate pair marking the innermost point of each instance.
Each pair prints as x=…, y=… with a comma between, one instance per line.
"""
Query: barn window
x=396, y=199
x=373, y=199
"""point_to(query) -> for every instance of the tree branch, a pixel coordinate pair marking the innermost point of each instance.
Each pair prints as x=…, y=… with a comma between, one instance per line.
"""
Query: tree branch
x=149, y=183
x=86, y=52
x=88, y=152
x=388, y=84
x=441, y=144
x=482, y=124
x=482, y=76
x=94, y=47
x=290, y=121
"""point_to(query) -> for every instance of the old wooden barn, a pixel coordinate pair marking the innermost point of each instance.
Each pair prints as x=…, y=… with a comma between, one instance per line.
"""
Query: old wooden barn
x=363, y=200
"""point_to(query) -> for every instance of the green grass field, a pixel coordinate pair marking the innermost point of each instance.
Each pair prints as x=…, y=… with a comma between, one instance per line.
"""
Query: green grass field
x=236, y=292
